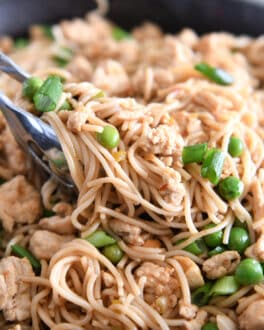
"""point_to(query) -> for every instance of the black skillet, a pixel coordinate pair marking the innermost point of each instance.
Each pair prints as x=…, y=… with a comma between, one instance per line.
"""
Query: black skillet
x=237, y=16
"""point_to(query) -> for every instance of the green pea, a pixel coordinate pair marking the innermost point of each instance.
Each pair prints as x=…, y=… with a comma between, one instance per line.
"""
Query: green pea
x=210, y=326
x=230, y=188
x=235, y=147
x=214, y=239
x=217, y=250
x=109, y=138
x=113, y=253
x=31, y=86
x=197, y=247
x=249, y=272
x=238, y=239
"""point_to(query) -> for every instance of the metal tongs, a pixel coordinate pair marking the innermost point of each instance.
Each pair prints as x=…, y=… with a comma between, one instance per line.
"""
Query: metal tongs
x=34, y=136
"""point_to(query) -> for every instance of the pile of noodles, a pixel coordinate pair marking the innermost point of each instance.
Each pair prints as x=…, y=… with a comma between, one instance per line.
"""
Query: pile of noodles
x=129, y=182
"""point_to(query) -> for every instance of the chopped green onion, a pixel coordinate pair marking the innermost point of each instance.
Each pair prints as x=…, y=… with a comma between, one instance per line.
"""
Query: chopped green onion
x=214, y=239
x=66, y=106
x=48, y=213
x=225, y=286
x=47, y=30
x=120, y=34
x=113, y=253
x=21, y=252
x=31, y=86
x=109, y=138
x=238, y=239
x=230, y=188
x=21, y=43
x=213, y=165
x=210, y=326
x=49, y=94
x=194, y=153
x=235, y=146
x=217, y=75
x=63, y=57
x=197, y=247
x=217, y=250
x=201, y=296
x=249, y=272
x=100, y=239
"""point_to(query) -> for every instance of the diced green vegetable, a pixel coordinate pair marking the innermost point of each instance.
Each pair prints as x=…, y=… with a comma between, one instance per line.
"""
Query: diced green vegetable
x=113, y=253
x=210, y=326
x=49, y=94
x=217, y=75
x=230, y=188
x=249, y=272
x=201, y=296
x=225, y=286
x=63, y=57
x=100, y=239
x=213, y=165
x=99, y=95
x=109, y=138
x=214, y=239
x=66, y=106
x=31, y=86
x=20, y=43
x=21, y=252
x=197, y=247
x=47, y=30
x=120, y=34
x=238, y=239
x=217, y=250
x=235, y=147
x=194, y=153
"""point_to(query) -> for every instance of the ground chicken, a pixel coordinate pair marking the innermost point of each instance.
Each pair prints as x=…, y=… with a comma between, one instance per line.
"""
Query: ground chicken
x=44, y=244
x=112, y=78
x=61, y=222
x=12, y=158
x=76, y=120
x=15, y=295
x=252, y=317
x=129, y=233
x=256, y=250
x=6, y=44
x=80, y=68
x=160, y=282
x=188, y=311
x=192, y=271
x=78, y=31
x=221, y=264
x=147, y=31
x=172, y=188
x=162, y=140
x=20, y=202
x=225, y=323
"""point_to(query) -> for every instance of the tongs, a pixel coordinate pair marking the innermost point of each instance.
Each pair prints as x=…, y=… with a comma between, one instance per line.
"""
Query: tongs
x=34, y=136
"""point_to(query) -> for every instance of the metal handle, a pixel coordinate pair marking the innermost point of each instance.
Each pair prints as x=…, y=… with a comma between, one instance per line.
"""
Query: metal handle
x=12, y=69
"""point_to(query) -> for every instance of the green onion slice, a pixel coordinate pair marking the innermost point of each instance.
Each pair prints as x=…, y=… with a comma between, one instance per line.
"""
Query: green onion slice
x=213, y=165
x=100, y=239
x=47, y=30
x=225, y=286
x=21, y=252
x=63, y=57
x=21, y=43
x=120, y=34
x=194, y=153
x=201, y=296
x=217, y=75
x=49, y=94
